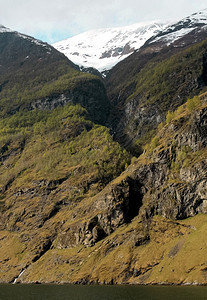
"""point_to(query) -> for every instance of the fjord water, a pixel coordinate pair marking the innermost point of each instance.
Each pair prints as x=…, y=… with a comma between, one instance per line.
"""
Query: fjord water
x=78, y=292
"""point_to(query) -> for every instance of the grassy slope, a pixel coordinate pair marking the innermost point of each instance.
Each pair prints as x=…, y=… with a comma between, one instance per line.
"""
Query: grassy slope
x=175, y=251
x=50, y=161
x=177, y=256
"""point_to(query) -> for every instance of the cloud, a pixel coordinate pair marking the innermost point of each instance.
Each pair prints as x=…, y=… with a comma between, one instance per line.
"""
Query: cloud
x=54, y=19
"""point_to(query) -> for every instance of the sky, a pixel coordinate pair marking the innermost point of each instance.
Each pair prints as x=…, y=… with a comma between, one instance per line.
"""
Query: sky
x=52, y=21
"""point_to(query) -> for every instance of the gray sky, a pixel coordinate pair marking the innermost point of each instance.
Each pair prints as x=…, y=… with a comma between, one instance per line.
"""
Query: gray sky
x=52, y=21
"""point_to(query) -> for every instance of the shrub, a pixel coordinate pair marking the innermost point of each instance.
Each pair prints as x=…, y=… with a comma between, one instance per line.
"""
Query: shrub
x=170, y=115
x=193, y=103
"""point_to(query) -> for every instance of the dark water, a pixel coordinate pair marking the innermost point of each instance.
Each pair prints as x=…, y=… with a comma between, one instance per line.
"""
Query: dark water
x=74, y=292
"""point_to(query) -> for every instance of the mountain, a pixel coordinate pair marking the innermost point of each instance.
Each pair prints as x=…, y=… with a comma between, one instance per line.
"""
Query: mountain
x=33, y=75
x=75, y=205
x=172, y=33
x=53, y=150
x=104, y=48
x=160, y=76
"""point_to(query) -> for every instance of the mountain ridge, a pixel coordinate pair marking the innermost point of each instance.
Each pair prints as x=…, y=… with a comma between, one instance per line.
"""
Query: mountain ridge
x=103, y=48
x=155, y=83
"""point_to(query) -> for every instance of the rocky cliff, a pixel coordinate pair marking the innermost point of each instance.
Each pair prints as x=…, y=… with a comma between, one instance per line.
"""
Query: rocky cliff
x=135, y=230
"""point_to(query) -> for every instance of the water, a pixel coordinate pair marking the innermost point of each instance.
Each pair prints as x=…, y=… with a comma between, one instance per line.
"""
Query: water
x=74, y=292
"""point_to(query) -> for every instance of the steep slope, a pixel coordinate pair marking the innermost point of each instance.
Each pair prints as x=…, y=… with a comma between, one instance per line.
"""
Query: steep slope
x=50, y=161
x=104, y=48
x=35, y=75
x=52, y=152
x=158, y=77
x=133, y=231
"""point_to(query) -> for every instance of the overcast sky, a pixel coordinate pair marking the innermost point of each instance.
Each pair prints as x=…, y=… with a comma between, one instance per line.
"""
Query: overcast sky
x=52, y=21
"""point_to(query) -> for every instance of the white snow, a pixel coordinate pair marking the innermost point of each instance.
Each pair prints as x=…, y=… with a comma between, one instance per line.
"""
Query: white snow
x=104, y=48
x=4, y=29
x=173, y=36
x=199, y=17
x=33, y=40
x=186, y=25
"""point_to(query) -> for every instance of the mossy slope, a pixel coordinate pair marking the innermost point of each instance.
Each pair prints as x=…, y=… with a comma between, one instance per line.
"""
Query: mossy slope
x=178, y=256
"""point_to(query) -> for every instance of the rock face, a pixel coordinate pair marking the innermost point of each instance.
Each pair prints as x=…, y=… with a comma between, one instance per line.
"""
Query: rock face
x=114, y=206
x=165, y=74
x=89, y=94
x=167, y=185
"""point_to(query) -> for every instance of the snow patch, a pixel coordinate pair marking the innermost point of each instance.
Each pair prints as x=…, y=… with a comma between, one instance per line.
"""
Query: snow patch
x=172, y=37
x=4, y=29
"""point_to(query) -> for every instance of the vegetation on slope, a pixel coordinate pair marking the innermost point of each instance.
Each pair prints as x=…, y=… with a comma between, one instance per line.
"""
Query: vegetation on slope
x=172, y=78
x=159, y=81
x=47, y=144
x=35, y=75
x=50, y=161
x=177, y=256
x=51, y=216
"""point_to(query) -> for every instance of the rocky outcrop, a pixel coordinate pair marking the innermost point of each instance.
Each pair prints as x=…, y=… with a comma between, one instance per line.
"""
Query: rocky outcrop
x=90, y=94
x=114, y=206
x=168, y=185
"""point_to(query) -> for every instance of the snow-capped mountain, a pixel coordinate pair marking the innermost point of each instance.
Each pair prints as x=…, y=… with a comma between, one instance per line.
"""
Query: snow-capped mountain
x=104, y=48
x=178, y=30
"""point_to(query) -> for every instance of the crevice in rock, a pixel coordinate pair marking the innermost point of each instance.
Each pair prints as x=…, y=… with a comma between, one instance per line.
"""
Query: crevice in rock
x=54, y=211
x=134, y=201
x=45, y=248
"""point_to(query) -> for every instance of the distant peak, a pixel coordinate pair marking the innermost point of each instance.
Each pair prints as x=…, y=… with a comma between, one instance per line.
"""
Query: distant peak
x=104, y=48
x=4, y=29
